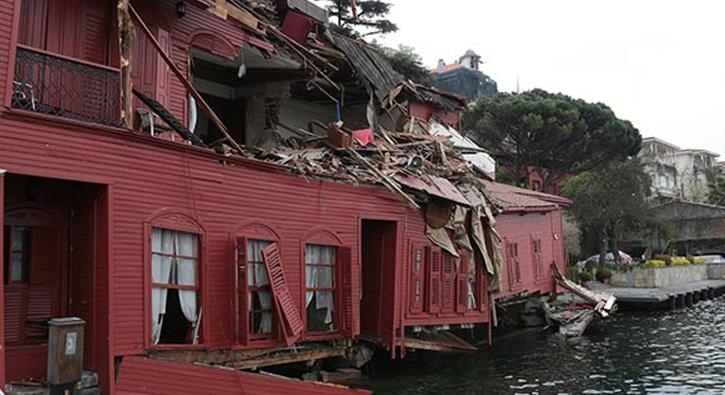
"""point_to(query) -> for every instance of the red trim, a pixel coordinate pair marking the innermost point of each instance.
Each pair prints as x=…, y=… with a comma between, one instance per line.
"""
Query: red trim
x=11, y=67
x=2, y=284
x=179, y=220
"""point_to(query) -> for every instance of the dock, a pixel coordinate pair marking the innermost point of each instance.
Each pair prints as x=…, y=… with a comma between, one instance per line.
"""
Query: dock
x=671, y=298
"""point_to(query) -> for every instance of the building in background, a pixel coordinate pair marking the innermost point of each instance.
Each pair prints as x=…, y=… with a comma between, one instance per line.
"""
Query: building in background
x=678, y=173
x=464, y=77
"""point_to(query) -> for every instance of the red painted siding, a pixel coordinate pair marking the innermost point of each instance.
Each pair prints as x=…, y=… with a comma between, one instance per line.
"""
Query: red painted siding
x=148, y=376
x=521, y=229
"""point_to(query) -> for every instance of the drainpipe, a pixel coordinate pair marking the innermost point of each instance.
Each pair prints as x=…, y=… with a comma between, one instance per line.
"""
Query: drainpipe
x=2, y=281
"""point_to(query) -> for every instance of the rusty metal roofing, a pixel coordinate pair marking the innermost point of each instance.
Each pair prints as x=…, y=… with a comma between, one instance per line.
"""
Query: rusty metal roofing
x=512, y=198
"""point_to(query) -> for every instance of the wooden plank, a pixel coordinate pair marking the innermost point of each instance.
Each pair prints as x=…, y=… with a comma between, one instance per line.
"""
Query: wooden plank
x=287, y=358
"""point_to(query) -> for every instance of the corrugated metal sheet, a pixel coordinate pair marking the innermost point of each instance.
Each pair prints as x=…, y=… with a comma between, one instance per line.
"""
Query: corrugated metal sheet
x=369, y=64
x=147, y=376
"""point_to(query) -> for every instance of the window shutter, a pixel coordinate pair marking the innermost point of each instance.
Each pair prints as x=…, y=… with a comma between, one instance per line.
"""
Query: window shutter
x=448, y=285
x=241, y=270
x=286, y=309
x=349, y=292
x=434, y=280
x=517, y=262
x=462, y=284
x=162, y=70
x=417, y=279
x=14, y=316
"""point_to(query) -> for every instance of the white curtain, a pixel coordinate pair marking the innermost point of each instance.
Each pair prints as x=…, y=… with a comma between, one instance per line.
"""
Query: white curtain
x=186, y=250
x=265, y=302
x=161, y=242
x=258, y=278
x=173, y=261
x=320, y=277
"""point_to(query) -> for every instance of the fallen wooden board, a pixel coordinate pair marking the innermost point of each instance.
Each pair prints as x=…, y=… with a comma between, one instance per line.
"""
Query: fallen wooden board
x=285, y=358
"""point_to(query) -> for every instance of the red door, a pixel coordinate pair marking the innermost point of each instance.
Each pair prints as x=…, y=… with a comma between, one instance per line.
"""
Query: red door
x=32, y=269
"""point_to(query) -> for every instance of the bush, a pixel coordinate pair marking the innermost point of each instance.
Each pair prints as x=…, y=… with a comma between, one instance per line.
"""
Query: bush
x=698, y=261
x=572, y=273
x=679, y=261
x=585, y=277
x=604, y=274
x=655, y=263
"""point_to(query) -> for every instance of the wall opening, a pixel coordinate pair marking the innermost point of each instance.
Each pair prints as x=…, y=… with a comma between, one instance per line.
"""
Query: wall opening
x=378, y=245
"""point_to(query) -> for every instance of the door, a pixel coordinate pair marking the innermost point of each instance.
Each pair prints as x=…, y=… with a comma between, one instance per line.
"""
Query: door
x=32, y=267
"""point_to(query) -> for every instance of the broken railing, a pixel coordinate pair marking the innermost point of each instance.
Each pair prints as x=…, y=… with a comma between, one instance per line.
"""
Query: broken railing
x=52, y=84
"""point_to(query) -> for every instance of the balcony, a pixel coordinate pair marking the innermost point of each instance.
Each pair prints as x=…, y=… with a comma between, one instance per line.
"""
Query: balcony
x=56, y=85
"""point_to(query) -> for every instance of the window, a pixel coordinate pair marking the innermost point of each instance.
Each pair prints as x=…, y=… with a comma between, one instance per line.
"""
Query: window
x=174, y=286
x=19, y=255
x=260, y=302
x=320, y=284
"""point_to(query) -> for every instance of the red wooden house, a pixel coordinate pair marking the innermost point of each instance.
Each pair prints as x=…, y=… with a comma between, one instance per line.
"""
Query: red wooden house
x=163, y=246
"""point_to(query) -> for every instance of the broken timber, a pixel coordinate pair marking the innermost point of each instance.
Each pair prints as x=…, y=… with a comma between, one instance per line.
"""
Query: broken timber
x=604, y=303
x=190, y=88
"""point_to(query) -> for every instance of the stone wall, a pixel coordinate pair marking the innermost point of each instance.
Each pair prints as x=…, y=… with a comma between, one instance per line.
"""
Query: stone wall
x=663, y=277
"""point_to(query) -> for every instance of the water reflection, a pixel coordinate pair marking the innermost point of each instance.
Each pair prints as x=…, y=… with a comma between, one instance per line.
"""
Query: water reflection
x=680, y=352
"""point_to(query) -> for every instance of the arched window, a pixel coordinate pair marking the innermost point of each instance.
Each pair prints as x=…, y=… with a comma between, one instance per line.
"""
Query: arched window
x=257, y=318
x=175, y=254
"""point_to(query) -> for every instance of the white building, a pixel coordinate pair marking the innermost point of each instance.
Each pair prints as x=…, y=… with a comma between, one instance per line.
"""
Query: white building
x=676, y=172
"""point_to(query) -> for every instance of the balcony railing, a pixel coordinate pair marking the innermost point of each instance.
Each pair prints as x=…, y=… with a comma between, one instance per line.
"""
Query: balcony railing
x=55, y=85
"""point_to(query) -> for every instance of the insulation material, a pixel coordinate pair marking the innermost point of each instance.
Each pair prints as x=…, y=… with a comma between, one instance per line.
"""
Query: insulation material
x=441, y=238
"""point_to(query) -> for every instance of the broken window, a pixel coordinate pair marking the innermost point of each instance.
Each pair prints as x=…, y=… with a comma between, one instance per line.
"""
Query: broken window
x=260, y=302
x=174, y=287
x=320, y=282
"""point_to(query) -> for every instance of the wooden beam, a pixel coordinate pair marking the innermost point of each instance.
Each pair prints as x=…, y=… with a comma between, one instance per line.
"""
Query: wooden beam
x=187, y=84
x=125, y=44
x=281, y=359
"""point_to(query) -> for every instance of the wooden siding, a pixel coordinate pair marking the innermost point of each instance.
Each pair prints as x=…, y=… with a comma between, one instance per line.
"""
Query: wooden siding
x=147, y=376
x=521, y=229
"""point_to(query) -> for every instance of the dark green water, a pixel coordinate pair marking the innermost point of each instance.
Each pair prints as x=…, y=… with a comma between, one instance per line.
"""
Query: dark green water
x=681, y=352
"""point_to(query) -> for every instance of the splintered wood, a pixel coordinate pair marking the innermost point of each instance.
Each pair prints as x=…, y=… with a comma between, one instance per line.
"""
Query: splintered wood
x=602, y=303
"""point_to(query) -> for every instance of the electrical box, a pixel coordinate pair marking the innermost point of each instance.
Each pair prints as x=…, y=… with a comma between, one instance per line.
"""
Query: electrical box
x=65, y=350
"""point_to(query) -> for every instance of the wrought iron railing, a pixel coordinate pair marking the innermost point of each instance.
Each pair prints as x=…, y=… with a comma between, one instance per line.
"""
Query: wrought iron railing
x=55, y=85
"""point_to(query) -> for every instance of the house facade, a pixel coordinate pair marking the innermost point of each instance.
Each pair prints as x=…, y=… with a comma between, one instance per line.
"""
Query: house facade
x=676, y=172
x=166, y=244
x=464, y=77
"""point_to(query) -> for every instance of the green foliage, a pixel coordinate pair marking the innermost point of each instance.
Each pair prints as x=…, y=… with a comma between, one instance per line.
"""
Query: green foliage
x=371, y=18
x=717, y=191
x=572, y=273
x=655, y=263
x=610, y=199
x=585, y=277
x=552, y=132
x=603, y=274
x=679, y=261
x=406, y=61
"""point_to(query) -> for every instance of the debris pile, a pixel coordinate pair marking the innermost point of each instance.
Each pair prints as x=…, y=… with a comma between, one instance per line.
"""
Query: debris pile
x=573, y=320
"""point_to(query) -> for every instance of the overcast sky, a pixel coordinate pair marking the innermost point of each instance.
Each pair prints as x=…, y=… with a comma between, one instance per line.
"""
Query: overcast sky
x=659, y=64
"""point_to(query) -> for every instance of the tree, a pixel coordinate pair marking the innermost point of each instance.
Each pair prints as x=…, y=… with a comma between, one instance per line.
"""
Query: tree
x=370, y=18
x=550, y=132
x=407, y=62
x=609, y=200
x=717, y=191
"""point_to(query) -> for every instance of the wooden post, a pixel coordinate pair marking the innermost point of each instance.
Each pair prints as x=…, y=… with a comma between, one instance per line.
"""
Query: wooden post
x=2, y=282
x=190, y=88
x=125, y=43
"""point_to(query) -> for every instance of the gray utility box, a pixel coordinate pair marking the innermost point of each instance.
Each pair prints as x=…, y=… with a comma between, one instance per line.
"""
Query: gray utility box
x=65, y=350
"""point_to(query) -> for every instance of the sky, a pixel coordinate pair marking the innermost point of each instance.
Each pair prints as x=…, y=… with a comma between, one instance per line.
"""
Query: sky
x=659, y=64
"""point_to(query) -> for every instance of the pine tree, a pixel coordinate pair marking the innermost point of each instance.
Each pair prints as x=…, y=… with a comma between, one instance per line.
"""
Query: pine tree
x=369, y=18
